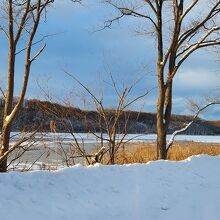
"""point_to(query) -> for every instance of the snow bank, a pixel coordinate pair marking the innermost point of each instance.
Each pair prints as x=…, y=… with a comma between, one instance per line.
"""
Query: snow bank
x=158, y=190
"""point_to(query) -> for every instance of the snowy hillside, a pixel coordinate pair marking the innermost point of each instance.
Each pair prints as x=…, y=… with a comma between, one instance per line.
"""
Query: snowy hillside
x=160, y=190
x=36, y=113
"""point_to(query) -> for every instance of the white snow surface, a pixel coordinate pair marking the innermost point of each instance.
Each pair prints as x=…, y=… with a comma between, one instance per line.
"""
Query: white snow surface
x=161, y=190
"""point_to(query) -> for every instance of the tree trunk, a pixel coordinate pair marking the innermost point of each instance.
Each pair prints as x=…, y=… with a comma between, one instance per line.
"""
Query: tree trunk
x=112, y=154
x=6, y=126
x=161, y=128
x=4, y=147
x=161, y=145
x=161, y=133
x=161, y=125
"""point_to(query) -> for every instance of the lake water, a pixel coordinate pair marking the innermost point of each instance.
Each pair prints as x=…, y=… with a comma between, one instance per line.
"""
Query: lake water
x=90, y=138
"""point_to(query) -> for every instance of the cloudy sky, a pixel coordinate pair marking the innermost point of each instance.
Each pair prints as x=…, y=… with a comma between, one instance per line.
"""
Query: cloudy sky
x=78, y=48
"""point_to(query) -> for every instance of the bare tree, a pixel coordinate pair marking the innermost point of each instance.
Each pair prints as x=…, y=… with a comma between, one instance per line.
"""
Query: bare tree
x=113, y=123
x=181, y=28
x=109, y=126
x=20, y=23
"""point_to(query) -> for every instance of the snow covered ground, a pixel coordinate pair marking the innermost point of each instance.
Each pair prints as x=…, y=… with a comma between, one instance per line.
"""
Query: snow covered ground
x=161, y=190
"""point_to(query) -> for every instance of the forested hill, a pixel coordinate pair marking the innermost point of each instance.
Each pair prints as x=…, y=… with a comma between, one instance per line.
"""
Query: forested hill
x=52, y=116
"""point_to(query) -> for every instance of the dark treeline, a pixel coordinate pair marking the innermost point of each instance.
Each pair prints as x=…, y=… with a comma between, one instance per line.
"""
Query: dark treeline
x=49, y=116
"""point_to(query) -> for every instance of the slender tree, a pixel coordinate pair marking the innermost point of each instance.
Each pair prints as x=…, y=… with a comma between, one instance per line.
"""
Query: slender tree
x=22, y=19
x=181, y=28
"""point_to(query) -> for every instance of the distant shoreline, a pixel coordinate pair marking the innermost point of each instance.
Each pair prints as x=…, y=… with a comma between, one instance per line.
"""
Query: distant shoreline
x=89, y=138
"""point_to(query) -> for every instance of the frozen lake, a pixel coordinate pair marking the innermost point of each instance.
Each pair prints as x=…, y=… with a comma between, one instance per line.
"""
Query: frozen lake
x=89, y=138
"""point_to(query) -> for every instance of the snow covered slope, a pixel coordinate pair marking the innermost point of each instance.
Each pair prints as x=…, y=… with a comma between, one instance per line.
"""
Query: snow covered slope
x=162, y=190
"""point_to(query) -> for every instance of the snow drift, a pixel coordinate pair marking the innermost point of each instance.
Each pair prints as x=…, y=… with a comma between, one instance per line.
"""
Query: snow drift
x=161, y=190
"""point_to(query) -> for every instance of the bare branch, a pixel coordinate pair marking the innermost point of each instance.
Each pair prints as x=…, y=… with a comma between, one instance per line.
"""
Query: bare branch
x=172, y=139
x=16, y=145
x=129, y=12
x=38, y=53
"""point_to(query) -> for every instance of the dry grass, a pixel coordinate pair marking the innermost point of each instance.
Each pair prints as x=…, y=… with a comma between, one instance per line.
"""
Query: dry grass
x=144, y=152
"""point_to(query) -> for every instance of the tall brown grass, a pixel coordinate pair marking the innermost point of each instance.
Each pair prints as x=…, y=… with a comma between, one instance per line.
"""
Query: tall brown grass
x=144, y=152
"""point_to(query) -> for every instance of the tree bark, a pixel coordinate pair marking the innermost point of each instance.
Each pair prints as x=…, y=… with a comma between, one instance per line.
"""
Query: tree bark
x=4, y=147
x=161, y=131
x=6, y=126
x=161, y=145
